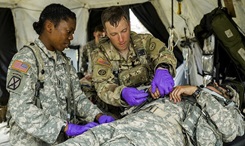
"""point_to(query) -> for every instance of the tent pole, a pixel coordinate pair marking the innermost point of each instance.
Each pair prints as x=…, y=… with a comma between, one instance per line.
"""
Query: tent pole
x=172, y=14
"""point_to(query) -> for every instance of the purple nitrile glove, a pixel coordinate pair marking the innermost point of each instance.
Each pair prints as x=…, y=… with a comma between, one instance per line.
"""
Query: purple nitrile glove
x=134, y=96
x=163, y=81
x=74, y=129
x=105, y=119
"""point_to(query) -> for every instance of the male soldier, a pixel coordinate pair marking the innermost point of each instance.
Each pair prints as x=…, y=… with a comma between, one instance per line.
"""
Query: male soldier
x=125, y=61
x=88, y=48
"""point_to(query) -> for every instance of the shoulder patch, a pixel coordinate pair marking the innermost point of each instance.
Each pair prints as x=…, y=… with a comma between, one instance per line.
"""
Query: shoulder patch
x=103, y=62
x=20, y=66
x=14, y=83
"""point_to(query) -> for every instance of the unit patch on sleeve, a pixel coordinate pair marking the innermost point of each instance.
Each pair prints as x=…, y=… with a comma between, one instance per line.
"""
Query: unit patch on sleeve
x=14, y=83
x=20, y=66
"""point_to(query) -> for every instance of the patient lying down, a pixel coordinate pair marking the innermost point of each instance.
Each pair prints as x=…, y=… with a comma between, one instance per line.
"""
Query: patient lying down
x=188, y=116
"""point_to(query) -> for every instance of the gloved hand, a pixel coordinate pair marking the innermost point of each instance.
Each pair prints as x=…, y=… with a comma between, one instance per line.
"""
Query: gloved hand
x=105, y=119
x=163, y=81
x=134, y=96
x=74, y=129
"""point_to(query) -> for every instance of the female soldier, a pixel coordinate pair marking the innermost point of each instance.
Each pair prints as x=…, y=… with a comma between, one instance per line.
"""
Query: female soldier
x=44, y=88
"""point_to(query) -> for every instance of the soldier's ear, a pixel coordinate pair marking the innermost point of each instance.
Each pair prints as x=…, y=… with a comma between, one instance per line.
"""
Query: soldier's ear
x=48, y=26
x=94, y=33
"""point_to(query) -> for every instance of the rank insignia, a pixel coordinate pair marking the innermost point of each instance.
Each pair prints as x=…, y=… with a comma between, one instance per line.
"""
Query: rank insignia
x=102, y=72
x=14, y=83
x=103, y=62
x=20, y=66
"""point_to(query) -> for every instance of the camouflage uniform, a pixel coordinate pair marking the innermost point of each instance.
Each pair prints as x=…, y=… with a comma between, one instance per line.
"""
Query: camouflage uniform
x=164, y=123
x=86, y=57
x=86, y=84
x=86, y=68
x=33, y=125
x=111, y=72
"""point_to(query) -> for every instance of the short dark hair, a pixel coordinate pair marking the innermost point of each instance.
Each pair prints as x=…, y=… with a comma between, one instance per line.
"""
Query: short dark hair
x=55, y=13
x=219, y=87
x=99, y=28
x=113, y=14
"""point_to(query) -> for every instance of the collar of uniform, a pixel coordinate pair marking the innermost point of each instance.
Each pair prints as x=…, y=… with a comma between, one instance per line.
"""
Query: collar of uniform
x=131, y=53
x=39, y=43
x=90, y=44
x=59, y=58
x=115, y=55
x=112, y=52
x=93, y=44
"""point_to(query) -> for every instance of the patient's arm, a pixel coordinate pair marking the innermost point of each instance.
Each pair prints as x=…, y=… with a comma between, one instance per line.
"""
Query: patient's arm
x=187, y=90
x=179, y=91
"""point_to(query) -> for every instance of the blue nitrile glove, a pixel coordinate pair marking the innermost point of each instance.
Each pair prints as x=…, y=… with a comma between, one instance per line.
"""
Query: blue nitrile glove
x=74, y=129
x=105, y=119
x=163, y=81
x=134, y=96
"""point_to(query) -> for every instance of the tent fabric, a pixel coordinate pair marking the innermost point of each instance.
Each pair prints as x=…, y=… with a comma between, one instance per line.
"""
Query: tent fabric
x=38, y=5
x=25, y=33
x=148, y=16
x=7, y=49
x=192, y=12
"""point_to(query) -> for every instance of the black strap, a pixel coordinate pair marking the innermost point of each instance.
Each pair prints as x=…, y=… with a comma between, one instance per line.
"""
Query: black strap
x=219, y=4
x=39, y=84
x=217, y=63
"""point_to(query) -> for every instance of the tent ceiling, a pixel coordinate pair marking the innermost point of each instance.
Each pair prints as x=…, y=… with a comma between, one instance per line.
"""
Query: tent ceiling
x=25, y=12
x=40, y=4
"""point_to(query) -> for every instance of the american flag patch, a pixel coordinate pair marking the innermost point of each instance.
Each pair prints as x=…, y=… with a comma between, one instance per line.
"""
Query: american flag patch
x=20, y=66
x=103, y=62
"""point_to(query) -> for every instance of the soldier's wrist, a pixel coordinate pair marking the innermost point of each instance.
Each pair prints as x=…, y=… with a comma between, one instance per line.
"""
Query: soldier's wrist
x=163, y=66
x=197, y=92
x=97, y=117
x=64, y=127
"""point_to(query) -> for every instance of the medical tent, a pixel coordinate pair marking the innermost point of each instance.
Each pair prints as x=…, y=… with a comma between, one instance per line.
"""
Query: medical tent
x=174, y=23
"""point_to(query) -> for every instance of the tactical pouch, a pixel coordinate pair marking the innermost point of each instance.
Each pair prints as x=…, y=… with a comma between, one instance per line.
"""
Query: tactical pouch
x=134, y=77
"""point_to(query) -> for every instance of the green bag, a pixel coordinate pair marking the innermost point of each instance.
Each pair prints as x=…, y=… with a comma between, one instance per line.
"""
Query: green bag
x=226, y=32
